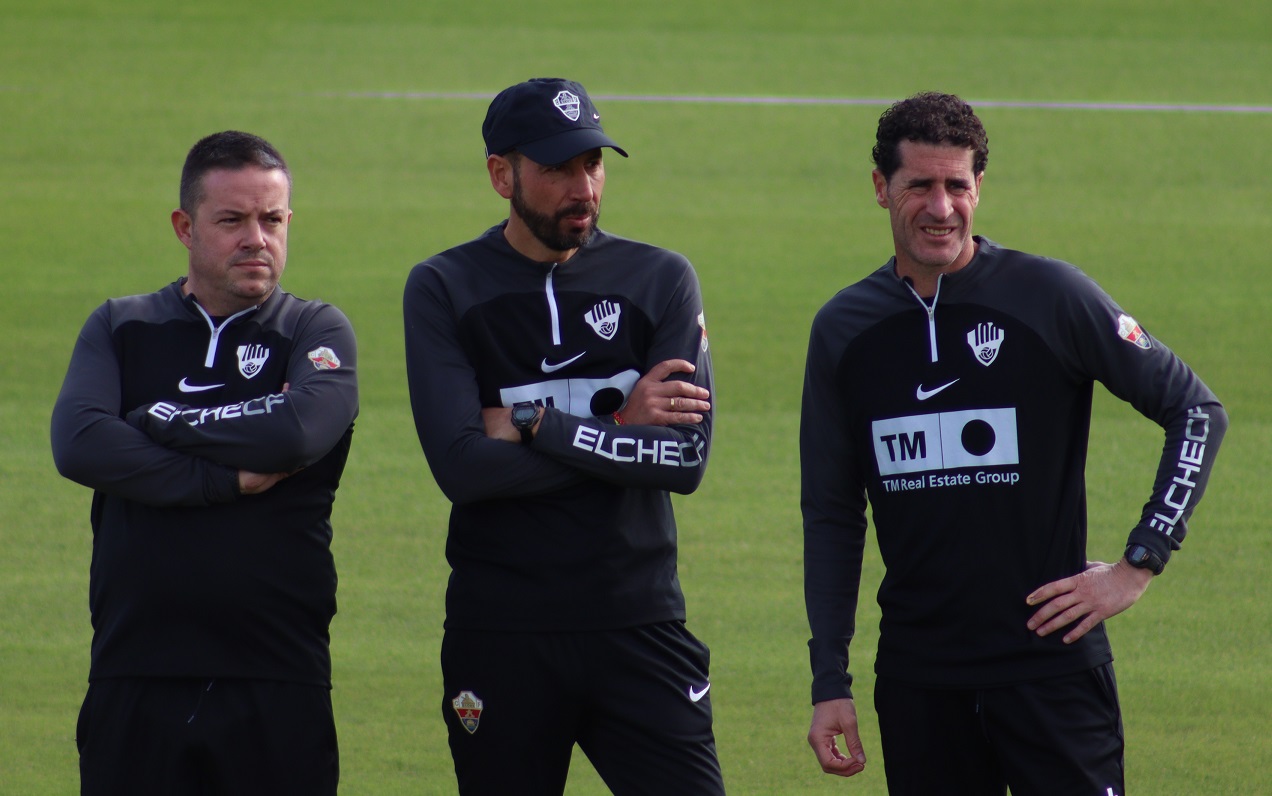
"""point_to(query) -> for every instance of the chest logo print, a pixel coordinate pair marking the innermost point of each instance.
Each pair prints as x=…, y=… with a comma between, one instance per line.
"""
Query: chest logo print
x=603, y=318
x=923, y=394
x=186, y=386
x=251, y=359
x=985, y=341
x=550, y=368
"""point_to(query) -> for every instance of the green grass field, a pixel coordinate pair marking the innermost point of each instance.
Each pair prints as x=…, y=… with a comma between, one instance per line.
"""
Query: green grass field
x=1168, y=209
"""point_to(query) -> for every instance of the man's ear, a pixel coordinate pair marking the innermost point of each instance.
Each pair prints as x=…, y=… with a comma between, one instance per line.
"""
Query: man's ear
x=880, y=187
x=182, y=224
x=500, y=169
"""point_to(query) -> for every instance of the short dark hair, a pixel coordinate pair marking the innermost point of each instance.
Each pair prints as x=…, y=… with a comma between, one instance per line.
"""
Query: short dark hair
x=231, y=150
x=930, y=117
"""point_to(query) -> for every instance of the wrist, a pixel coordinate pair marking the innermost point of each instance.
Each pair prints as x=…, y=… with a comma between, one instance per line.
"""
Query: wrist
x=1140, y=557
x=526, y=417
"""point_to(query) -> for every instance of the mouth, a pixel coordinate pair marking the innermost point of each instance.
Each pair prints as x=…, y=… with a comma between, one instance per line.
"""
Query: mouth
x=578, y=214
x=937, y=232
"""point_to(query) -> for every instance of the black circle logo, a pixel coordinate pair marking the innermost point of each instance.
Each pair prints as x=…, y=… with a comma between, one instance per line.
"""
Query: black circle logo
x=606, y=401
x=978, y=437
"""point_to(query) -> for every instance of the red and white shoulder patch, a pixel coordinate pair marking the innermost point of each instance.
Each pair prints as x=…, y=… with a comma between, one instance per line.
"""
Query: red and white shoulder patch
x=324, y=358
x=1130, y=331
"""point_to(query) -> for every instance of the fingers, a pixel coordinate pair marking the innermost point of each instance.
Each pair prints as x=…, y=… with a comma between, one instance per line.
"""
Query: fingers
x=1099, y=592
x=663, y=369
x=684, y=405
x=830, y=720
x=255, y=483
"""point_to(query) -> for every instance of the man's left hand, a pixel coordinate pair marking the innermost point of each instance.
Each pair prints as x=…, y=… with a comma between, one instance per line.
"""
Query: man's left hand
x=1099, y=592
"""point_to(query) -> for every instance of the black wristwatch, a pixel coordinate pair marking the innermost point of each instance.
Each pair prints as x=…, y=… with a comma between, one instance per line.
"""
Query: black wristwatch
x=1140, y=557
x=524, y=415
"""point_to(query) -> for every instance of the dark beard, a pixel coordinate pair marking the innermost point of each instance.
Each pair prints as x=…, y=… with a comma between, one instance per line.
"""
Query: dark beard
x=548, y=228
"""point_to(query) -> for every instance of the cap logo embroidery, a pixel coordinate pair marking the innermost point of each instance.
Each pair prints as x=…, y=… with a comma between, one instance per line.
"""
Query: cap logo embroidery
x=251, y=359
x=568, y=103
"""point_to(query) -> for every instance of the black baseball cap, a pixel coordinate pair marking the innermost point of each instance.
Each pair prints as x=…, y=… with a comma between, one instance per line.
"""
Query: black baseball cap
x=547, y=119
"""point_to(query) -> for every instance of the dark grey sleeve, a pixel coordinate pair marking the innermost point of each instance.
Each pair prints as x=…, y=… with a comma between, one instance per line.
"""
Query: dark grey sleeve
x=467, y=465
x=833, y=502
x=94, y=446
x=1143, y=371
x=278, y=432
x=673, y=458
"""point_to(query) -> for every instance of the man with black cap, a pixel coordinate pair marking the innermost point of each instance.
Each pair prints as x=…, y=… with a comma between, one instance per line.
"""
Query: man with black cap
x=560, y=383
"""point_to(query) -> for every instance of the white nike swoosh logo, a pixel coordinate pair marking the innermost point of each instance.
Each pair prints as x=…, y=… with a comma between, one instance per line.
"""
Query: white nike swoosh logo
x=186, y=386
x=695, y=695
x=923, y=394
x=554, y=368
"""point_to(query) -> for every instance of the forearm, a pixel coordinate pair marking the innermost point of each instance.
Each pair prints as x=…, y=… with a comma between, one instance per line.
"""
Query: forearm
x=288, y=427
x=93, y=446
x=1192, y=442
x=672, y=458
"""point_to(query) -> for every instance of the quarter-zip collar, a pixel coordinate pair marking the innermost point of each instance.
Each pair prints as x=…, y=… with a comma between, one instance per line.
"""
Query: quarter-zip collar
x=929, y=307
x=214, y=328
x=550, y=273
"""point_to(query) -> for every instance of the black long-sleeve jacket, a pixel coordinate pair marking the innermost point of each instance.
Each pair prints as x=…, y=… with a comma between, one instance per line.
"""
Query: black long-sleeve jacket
x=965, y=423
x=161, y=406
x=573, y=532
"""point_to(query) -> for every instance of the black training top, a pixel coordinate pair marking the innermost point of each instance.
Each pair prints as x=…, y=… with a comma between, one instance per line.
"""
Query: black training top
x=573, y=532
x=161, y=407
x=964, y=421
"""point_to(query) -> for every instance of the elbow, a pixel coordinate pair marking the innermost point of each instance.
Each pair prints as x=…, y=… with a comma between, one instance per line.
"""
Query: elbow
x=69, y=465
x=691, y=479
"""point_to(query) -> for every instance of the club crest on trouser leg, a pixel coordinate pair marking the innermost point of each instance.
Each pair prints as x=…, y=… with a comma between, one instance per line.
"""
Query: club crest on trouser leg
x=468, y=708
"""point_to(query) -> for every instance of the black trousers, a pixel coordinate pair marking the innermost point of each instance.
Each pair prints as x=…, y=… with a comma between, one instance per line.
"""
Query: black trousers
x=634, y=700
x=1056, y=737
x=141, y=736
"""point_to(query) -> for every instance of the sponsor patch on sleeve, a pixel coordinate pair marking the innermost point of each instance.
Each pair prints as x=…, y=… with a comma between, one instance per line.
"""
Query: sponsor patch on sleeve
x=1130, y=331
x=324, y=358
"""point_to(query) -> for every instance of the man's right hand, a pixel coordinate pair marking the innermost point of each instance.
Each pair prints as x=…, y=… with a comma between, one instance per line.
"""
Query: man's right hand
x=833, y=718
x=256, y=483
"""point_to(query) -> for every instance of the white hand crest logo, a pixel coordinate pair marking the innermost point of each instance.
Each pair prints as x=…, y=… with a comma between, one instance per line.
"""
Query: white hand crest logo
x=985, y=341
x=603, y=318
x=251, y=359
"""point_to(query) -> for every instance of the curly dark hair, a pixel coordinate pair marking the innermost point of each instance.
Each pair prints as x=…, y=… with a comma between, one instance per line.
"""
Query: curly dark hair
x=930, y=117
x=232, y=150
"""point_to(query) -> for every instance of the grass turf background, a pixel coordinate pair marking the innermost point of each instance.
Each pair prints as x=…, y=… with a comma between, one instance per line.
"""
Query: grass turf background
x=1168, y=210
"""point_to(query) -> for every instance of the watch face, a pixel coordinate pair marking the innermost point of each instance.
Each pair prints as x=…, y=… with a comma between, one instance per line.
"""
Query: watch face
x=1143, y=558
x=523, y=415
